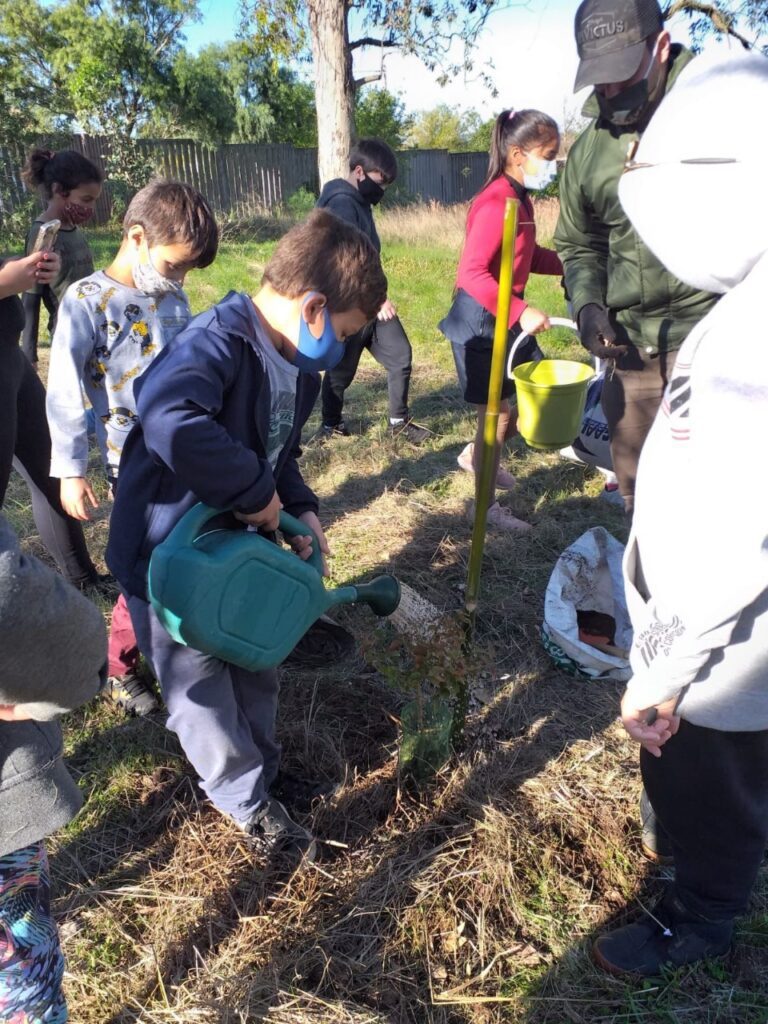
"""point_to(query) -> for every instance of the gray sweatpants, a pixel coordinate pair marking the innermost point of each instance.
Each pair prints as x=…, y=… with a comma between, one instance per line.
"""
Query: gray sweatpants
x=223, y=715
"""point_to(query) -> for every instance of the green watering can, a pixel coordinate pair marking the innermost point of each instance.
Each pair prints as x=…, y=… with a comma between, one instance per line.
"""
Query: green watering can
x=236, y=595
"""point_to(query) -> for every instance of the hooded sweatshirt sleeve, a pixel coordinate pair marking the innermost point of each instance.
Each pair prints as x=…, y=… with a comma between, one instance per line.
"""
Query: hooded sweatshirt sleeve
x=178, y=401
x=52, y=639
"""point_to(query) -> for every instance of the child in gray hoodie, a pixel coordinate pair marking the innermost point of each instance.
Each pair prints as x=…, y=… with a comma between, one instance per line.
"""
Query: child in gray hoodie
x=50, y=662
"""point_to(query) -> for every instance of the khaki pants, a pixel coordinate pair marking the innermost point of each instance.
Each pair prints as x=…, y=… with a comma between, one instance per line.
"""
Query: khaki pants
x=632, y=394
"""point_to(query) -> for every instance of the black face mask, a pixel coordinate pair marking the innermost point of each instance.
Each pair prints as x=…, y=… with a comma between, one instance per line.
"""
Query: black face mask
x=631, y=104
x=627, y=107
x=370, y=190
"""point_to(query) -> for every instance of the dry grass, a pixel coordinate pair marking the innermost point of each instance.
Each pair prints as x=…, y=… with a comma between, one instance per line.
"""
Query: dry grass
x=431, y=224
x=471, y=901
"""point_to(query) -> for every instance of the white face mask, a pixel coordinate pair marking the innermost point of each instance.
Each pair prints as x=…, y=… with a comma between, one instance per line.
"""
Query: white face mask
x=544, y=171
x=148, y=278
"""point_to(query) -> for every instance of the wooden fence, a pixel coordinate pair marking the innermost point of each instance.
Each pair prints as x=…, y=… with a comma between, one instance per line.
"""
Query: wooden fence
x=241, y=180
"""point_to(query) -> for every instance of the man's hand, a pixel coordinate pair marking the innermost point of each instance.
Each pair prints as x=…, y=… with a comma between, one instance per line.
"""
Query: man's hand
x=303, y=545
x=387, y=311
x=650, y=727
x=76, y=495
x=267, y=518
x=533, y=320
x=596, y=333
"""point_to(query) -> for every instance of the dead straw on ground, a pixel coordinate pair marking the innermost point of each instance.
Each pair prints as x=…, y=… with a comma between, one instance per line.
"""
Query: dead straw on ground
x=469, y=901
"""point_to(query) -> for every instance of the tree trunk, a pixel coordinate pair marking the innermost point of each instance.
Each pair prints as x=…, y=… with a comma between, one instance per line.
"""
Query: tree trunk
x=334, y=86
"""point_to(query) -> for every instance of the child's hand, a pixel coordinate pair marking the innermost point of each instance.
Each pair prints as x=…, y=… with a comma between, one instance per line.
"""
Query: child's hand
x=533, y=320
x=387, y=311
x=48, y=267
x=13, y=713
x=76, y=495
x=303, y=545
x=20, y=275
x=267, y=518
x=650, y=731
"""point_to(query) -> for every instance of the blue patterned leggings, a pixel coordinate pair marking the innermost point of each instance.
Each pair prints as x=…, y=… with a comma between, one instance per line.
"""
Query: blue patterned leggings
x=31, y=962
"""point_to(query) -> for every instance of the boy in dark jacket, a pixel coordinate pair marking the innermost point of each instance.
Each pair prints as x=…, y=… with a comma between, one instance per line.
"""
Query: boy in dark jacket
x=372, y=166
x=220, y=416
x=52, y=658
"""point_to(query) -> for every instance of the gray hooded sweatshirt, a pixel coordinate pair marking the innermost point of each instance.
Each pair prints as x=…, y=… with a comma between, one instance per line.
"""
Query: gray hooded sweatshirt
x=52, y=658
x=697, y=580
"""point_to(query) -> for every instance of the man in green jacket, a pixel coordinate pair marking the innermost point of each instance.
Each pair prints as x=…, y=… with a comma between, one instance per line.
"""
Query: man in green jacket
x=629, y=309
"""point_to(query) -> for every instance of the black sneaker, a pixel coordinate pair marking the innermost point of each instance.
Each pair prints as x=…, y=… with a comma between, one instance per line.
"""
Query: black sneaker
x=102, y=584
x=339, y=429
x=410, y=431
x=300, y=794
x=669, y=937
x=657, y=846
x=274, y=832
x=132, y=694
x=324, y=643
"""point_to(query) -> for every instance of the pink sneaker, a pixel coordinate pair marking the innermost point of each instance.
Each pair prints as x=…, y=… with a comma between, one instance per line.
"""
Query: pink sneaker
x=504, y=479
x=501, y=518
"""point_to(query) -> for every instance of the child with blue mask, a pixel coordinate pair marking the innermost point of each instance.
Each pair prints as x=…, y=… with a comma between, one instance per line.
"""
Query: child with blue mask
x=220, y=414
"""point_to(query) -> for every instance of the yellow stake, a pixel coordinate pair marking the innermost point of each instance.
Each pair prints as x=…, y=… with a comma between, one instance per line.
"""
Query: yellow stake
x=498, y=368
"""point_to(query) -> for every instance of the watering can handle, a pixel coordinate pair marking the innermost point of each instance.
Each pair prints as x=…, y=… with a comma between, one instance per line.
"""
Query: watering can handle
x=193, y=522
x=292, y=527
x=554, y=321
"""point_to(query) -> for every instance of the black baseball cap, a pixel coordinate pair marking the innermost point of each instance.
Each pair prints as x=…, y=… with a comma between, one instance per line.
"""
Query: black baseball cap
x=610, y=38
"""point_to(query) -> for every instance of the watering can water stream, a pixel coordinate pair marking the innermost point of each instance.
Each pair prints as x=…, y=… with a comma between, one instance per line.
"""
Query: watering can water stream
x=236, y=595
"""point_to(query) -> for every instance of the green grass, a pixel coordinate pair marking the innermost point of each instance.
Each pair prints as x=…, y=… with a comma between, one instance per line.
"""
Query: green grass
x=472, y=901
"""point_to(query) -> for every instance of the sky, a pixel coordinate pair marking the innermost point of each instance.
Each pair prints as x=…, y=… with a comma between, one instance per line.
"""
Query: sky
x=531, y=46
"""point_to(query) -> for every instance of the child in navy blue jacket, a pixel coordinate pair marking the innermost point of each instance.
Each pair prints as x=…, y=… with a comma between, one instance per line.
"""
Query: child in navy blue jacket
x=220, y=416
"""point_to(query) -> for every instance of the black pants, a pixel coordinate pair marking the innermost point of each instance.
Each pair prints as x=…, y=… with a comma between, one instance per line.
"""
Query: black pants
x=632, y=394
x=388, y=343
x=709, y=790
x=26, y=444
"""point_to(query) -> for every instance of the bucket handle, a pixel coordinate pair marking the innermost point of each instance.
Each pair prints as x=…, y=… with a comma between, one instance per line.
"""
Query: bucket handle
x=194, y=521
x=554, y=321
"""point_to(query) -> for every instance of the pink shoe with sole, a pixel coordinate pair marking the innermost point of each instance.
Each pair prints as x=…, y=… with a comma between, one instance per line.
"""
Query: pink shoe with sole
x=504, y=479
x=501, y=518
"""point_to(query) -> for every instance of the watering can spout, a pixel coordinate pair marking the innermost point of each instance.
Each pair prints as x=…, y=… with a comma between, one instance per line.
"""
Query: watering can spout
x=239, y=597
x=382, y=595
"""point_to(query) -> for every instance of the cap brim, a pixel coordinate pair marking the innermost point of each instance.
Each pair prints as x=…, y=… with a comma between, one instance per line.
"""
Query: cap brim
x=610, y=67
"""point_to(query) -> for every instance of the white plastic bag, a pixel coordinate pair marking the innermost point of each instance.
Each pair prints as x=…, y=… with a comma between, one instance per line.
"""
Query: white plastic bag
x=593, y=444
x=587, y=577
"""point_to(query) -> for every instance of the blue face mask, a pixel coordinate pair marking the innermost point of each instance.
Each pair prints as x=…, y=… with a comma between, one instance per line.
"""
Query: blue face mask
x=313, y=353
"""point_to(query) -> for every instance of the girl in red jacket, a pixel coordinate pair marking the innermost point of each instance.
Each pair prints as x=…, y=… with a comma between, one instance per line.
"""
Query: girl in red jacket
x=522, y=158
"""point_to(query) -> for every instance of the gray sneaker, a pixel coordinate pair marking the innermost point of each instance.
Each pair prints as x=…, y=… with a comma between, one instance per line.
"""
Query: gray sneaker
x=274, y=832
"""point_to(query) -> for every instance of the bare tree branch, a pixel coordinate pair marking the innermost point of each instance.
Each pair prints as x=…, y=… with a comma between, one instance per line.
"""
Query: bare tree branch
x=721, y=22
x=371, y=41
x=366, y=79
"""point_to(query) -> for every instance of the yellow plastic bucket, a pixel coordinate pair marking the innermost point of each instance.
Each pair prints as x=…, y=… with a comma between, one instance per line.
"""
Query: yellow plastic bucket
x=550, y=400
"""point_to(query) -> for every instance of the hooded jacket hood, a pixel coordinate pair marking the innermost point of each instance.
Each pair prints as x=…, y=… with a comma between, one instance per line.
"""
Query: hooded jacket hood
x=346, y=202
x=340, y=187
x=704, y=152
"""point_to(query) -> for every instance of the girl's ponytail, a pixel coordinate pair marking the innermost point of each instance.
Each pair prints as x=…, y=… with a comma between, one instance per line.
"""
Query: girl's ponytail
x=67, y=168
x=497, y=156
x=524, y=128
x=34, y=169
